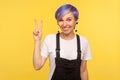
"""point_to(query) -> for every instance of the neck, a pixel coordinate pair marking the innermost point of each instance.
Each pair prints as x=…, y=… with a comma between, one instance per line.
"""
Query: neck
x=67, y=36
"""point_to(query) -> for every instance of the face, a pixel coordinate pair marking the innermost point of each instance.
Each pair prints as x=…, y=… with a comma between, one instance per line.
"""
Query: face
x=67, y=23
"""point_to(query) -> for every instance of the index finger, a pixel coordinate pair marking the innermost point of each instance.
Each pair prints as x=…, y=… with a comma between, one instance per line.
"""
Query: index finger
x=36, y=24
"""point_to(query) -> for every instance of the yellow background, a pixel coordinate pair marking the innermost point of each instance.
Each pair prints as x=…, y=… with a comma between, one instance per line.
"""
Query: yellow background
x=99, y=22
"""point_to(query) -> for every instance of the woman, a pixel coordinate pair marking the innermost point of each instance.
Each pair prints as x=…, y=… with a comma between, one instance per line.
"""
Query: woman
x=68, y=53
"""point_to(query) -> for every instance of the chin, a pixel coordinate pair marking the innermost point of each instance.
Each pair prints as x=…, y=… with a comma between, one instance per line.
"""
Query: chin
x=66, y=32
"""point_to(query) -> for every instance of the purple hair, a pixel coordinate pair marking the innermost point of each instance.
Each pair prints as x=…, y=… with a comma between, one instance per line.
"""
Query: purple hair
x=65, y=9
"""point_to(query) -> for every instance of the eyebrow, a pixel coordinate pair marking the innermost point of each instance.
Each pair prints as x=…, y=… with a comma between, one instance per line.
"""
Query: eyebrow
x=69, y=17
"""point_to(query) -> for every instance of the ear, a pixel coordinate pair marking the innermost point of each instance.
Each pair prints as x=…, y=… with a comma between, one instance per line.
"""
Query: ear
x=57, y=22
x=76, y=22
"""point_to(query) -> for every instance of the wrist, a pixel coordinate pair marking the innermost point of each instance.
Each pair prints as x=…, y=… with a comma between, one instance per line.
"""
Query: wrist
x=37, y=41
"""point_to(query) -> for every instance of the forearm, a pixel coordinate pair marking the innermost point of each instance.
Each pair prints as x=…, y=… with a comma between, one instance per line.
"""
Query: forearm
x=37, y=59
x=84, y=75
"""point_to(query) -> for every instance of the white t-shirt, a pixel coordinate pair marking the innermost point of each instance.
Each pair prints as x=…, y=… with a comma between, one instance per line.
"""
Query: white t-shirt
x=68, y=50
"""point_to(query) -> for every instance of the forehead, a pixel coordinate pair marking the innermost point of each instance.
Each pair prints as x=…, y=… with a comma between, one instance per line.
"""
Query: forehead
x=68, y=15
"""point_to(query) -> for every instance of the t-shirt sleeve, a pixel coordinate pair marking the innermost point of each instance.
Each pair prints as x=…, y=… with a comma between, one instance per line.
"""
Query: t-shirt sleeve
x=86, y=51
x=44, y=48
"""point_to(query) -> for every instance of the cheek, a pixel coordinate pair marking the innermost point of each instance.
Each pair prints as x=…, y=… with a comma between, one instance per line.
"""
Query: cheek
x=72, y=24
x=59, y=23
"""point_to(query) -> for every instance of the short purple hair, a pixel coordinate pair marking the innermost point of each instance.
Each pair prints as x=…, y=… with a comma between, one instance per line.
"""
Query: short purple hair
x=65, y=9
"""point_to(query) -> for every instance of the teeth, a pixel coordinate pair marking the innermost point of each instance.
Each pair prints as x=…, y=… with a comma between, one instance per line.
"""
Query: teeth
x=65, y=28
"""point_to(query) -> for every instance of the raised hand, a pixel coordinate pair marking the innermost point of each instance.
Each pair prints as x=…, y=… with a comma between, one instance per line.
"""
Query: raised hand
x=37, y=34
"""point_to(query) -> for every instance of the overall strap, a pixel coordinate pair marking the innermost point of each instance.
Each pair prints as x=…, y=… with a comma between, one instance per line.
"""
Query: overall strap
x=57, y=45
x=78, y=48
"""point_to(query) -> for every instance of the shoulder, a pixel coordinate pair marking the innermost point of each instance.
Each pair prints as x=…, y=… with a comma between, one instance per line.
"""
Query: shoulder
x=83, y=38
x=50, y=37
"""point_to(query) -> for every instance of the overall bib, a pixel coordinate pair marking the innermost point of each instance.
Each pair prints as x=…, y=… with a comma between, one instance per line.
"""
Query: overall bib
x=67, y=69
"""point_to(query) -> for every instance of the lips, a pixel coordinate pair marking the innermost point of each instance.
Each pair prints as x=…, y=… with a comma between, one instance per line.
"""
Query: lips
x=65, y=29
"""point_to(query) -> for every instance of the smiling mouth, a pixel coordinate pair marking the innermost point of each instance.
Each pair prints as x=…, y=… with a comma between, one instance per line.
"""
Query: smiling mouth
x=65, y=29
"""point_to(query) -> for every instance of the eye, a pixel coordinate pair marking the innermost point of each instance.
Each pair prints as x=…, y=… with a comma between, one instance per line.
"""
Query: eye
x=60, y=20
x=69, y=19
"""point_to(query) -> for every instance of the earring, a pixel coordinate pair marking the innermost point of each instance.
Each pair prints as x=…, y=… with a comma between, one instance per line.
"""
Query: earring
x=58, y=31
x=76, y=30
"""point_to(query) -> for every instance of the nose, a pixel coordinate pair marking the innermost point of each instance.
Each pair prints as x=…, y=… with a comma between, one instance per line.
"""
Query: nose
x=64, y=23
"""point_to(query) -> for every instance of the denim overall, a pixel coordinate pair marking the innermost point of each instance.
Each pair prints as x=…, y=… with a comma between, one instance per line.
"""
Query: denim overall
x=67, y=69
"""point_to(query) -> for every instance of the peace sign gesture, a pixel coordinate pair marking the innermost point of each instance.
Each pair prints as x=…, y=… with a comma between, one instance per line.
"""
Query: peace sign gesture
x=37, y=34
